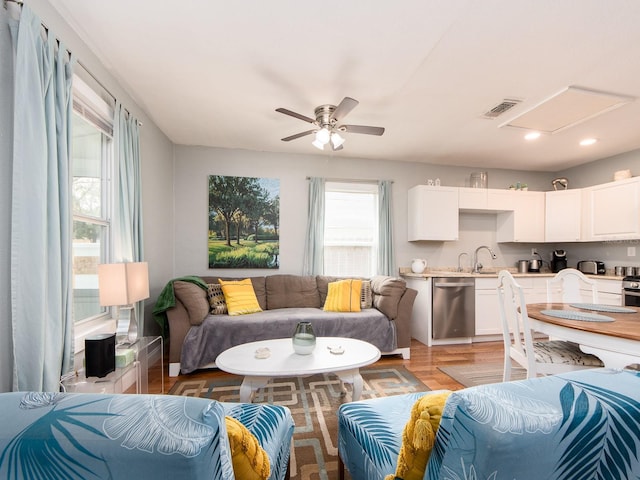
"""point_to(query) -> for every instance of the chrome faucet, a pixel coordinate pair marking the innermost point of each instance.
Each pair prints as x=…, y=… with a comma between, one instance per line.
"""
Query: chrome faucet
x=477, y=266
x=459, y=257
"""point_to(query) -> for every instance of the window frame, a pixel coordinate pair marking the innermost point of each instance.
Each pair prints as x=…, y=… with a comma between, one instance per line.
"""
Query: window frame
x=92, y=105
x=355, y=187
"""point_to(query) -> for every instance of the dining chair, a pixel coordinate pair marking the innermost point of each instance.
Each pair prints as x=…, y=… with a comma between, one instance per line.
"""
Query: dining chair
x=567, y=287
x=547, y=357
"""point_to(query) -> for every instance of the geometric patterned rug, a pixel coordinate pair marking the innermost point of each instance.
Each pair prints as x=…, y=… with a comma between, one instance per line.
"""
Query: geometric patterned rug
x=313, y=402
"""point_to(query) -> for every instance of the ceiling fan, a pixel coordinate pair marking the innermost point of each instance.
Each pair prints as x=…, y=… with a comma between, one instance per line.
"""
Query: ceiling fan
x=327, y=124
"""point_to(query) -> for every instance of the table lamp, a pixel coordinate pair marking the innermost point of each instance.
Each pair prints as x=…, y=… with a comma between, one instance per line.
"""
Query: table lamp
x=121, y=285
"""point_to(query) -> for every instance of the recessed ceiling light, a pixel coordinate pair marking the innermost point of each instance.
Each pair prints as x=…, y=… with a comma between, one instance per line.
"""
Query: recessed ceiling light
x=588, y=141
x=532, y=136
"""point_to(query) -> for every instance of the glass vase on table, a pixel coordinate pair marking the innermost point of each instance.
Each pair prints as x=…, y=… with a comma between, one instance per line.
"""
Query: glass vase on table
x=304, y=339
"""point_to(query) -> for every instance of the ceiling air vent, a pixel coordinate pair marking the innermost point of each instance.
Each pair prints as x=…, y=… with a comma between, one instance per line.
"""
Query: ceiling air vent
x=501, y=108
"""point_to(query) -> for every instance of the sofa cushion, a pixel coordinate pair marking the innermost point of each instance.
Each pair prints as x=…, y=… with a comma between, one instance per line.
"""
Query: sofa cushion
x=194, y=300
x=215, y=295
x=292, y=291
x=387, y=292
x=323, y=282
x=258, y=287
x=240, y=296
x=250, y=461
x=343, y=296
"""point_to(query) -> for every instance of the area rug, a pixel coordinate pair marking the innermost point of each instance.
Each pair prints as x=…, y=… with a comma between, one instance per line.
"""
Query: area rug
x=472, y=374
x=313, y=402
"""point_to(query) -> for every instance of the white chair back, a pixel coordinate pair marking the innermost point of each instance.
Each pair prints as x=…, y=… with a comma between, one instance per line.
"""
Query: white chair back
x=516, y=333
x=571, y=286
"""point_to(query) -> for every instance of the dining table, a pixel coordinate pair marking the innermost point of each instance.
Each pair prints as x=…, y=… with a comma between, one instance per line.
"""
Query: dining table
x=612, y=333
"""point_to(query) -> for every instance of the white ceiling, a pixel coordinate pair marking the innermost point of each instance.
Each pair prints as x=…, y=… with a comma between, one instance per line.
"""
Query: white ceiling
x=212, y=73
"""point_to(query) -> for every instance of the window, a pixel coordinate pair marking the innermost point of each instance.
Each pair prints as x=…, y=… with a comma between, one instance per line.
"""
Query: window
x=351, y=229
x=92, y=136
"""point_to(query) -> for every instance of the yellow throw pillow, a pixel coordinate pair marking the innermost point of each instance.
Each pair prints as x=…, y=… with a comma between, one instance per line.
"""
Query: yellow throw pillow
x=249, y=459
x=240, y=296
x=418, y=436
x=343, y=296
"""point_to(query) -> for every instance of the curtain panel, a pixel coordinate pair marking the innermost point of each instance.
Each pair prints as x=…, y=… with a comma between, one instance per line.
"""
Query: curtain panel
x=386, y=254
x=41, y=224
x=314, y=240
x=127, y=226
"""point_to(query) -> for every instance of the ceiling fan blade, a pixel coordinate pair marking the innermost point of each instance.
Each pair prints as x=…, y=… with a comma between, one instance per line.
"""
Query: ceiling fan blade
x=297, y=135
x=362, y=129
x=346, y=105
x=296, y=115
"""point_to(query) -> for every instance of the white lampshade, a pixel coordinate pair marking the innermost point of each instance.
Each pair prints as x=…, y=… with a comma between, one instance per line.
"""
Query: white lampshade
x=123, y=283
x=323, y=136
x=318, y=145
x=336, y=140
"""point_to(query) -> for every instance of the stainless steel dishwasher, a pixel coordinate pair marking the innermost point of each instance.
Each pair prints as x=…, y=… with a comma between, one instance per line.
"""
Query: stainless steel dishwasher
x=454, y=311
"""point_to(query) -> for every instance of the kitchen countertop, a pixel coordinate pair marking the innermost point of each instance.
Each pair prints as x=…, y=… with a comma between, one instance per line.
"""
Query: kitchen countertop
x=430, y=273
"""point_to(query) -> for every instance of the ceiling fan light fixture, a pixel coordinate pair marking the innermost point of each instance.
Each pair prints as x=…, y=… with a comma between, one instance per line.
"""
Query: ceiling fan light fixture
x=323, y=135
x=336, y=140
x=318, y=145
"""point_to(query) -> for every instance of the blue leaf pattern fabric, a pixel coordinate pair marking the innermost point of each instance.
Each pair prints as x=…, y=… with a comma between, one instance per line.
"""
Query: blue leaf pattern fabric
x=576, y=426
x=82, y=436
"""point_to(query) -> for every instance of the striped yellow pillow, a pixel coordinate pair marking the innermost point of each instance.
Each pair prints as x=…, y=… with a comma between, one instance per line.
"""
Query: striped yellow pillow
x=343, y=296
x=240, y=296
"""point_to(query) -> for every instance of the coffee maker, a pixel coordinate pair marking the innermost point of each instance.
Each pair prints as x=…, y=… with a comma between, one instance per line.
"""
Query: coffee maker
x=558, y=260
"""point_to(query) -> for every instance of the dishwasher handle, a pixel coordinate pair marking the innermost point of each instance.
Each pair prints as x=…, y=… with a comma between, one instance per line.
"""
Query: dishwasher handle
x=453, y=285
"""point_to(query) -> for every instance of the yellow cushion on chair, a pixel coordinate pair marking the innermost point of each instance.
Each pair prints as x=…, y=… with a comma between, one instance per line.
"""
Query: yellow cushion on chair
x=250, y=461
x=240, y=296
x=418, y=436
x=343, y=296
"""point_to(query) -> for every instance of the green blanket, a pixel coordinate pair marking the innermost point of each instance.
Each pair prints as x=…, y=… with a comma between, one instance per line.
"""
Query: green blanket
x=167, y=299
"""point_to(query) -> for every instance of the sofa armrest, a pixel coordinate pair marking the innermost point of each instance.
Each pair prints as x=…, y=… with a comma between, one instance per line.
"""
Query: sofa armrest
x=403, y=320
x=179, y=325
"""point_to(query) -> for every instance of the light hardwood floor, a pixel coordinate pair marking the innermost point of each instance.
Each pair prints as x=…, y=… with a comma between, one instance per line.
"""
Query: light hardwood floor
x=423, y=364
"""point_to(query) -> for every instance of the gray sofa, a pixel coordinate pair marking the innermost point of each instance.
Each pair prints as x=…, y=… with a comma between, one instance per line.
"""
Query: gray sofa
x=197, y=337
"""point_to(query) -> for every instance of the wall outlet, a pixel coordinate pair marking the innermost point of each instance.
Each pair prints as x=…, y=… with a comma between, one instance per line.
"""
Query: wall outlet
x=631, y=251
x=534, y=251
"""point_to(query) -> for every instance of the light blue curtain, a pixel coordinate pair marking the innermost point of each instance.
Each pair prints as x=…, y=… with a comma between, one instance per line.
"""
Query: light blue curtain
x=127, y=225
x=314, y=241
x=41, y=224
x=386, y=263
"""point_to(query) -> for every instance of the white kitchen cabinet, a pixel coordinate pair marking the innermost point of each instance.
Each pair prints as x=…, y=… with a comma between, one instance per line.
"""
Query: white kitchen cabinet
x=472, y=199
x=563, y=216
x=432, y=213
x=488, y=320
x=421, y=313
x=609, y=291
x=613, y=210
x=521, y=215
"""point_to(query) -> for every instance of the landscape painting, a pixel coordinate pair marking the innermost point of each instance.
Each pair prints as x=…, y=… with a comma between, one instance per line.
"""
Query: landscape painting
x=244, y=215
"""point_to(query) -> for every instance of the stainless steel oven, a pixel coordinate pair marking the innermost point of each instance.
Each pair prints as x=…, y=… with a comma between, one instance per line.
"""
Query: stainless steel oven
x=631, y=291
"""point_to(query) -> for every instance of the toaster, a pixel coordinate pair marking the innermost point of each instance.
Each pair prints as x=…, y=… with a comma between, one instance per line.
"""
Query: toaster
x=592, y=267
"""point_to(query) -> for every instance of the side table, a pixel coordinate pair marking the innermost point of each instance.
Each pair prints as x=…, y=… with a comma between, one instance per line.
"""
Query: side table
x=148, y=353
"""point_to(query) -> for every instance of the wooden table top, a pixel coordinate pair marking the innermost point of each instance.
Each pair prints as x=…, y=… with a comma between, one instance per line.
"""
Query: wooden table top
x=625, y=325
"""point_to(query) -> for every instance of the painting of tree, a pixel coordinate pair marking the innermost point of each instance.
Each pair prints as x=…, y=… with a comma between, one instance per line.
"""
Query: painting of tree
x=244, y=216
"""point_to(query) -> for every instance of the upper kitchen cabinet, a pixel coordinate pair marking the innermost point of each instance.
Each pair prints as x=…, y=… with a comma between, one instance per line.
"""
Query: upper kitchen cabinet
x=613, y=210
x=472, y=199
x=432, y=213
x=521, y=215
x=563, y=216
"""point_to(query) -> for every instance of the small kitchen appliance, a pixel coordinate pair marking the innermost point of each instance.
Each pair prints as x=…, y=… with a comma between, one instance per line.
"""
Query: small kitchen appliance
x=558, y=260
x=591, y=267
x=631, y=291
x=535, y=264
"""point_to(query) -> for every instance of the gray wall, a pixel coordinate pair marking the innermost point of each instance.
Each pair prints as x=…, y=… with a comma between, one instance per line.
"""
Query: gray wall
x=194, y=164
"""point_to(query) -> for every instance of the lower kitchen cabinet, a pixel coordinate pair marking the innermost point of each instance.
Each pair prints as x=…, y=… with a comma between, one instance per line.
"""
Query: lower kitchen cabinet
x=421, y=314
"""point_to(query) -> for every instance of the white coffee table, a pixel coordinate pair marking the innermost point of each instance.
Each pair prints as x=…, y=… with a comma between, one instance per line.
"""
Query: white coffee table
x=284, y=362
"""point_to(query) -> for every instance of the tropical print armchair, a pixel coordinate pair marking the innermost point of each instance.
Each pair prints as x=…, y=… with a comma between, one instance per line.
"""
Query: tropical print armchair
x=579, y=425
x=86, y=436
